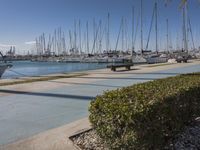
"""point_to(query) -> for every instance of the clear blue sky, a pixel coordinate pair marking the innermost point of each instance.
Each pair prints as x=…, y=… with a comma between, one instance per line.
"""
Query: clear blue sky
x=23, y=20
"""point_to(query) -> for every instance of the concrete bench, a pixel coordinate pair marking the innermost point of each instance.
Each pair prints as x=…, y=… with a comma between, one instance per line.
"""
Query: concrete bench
x=115, y=66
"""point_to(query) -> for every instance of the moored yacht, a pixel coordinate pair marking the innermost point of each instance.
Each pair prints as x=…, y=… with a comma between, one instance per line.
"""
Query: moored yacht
x=152, y=59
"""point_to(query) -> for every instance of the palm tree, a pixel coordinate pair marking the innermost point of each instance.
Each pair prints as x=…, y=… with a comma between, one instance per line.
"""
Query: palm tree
x=182, y=2
x=183, y=6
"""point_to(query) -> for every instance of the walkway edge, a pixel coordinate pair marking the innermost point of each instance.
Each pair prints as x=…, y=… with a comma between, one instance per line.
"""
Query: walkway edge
x=24, y=80
x=54, y=139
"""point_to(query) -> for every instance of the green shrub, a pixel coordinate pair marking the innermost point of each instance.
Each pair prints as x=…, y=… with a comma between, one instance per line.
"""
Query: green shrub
x=147, y=115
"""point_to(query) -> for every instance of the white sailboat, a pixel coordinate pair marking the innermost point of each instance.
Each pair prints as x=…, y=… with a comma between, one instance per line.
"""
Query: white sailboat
x=156, y=58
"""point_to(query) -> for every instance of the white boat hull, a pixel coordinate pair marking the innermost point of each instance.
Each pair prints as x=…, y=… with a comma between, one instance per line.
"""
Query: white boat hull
x=154, y=60
x=138, y=60
x=3, y=67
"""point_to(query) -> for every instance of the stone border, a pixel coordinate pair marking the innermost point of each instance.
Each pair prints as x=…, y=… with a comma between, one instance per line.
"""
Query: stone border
x=78, y=134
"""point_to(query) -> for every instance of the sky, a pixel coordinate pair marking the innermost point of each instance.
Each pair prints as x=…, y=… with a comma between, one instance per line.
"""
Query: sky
x=21, y=21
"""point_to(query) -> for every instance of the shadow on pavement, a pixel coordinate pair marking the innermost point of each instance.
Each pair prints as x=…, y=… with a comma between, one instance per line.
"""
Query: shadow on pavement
x=88, y=84
x=79, y=97
x=120, y=78
x=131, y=73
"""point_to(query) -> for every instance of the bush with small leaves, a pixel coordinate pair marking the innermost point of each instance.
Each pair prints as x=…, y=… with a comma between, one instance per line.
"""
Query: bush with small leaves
x=146, y=115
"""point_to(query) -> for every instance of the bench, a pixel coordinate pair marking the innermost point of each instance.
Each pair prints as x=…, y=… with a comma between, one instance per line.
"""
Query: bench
x=115, y=66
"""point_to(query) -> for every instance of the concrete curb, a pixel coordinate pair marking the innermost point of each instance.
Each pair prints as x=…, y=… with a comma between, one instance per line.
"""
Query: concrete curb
x=54, y=139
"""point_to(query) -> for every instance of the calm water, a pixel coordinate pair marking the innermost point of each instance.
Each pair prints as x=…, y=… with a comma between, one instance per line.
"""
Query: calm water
x=28, y=68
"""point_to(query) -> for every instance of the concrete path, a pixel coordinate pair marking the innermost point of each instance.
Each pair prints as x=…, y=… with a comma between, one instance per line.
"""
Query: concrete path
x=55, y=139
x=29, y=109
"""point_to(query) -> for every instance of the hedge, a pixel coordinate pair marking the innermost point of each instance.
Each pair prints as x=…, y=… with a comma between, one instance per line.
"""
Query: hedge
x=146, y=115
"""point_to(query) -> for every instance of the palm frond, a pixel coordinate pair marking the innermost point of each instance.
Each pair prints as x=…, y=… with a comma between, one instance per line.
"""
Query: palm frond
x=183, y=2
x=167, y=2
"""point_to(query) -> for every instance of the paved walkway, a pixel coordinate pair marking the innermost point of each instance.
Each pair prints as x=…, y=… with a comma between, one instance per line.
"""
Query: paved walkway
x=54, y=139
x=29, y=109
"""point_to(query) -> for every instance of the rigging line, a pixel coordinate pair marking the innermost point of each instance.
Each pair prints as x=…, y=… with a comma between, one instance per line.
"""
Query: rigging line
x=152, y=19
x=96, y=35
x=190, y=29
x=103, y=32
x=118, y=36
x=102, y=35
x=99, y=37
x=141, y=26
x=127, y=35
x=133, y=25
x=137, y=26
x=11, y=70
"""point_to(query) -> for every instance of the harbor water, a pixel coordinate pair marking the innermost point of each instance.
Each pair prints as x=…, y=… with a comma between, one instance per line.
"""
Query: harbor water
x=28, y=68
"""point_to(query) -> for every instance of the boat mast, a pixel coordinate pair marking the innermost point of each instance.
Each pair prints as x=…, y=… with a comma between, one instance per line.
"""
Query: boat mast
x=122, y=33
x=108, y=33
x=75, y=38
x=177, y=42
x=94, y=28
x=141, y=26
x=70, y=40
x=37, y=47
x=156, y=25
x=99, y=37
x=190, y=30
x=96, y=32
x=61, y=43
x=116, y=47
x=126, y=35
x=167, y=21
x=80, y=40
x=87, y=28
x=44, y=42
x=185, y=42
x=132, y=31
x=58, y=40
x=55, y=46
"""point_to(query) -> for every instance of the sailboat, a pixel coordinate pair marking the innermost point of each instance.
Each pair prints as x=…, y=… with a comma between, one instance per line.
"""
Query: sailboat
x=156, y=57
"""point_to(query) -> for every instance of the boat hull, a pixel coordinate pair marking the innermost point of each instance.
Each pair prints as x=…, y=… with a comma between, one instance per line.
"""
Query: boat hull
x=3, y=68
x=154, y=60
